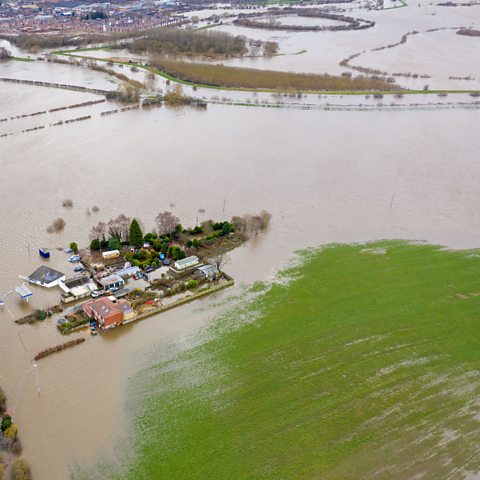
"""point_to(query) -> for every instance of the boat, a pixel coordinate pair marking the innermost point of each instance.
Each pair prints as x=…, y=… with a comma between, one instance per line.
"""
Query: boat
x=44, y=253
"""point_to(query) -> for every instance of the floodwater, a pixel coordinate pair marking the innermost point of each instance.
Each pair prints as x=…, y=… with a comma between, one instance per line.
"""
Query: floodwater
x=430, y=53
x=326, y=176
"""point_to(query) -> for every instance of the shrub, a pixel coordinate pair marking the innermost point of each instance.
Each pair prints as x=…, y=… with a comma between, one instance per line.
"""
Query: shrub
x=74, y=246
x=41, y=315
x=95, y=244
x=3, y=401
x=192, y=284
x=114, y=243
x=67, y=202
x=20, y=470
x=6, y=422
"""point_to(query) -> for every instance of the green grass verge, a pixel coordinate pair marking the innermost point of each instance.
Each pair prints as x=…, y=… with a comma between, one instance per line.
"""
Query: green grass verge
x=23, y=59
x=365, y=366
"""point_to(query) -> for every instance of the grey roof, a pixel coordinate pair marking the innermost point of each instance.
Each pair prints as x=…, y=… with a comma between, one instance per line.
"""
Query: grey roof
x=186, y=261
x=77, y=281
x=45, y=275
x=110, y=279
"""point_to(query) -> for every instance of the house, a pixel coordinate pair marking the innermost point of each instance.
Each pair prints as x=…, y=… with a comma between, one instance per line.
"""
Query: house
x=185, y=263
x=111, y=282
x=46, y=277
x=76, y=287
x=208, y=271
x=126, y=308
x=104, y=312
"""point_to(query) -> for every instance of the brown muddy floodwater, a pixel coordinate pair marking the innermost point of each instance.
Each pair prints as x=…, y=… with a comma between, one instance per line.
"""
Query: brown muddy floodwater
x=324, y=176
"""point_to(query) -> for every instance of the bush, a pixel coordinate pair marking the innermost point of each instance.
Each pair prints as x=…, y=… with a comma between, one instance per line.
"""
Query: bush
x=41, y=315
x=95, y=244
x=6, y=422
x=20, y=470
x=114, y=243
x=3, y=401
x=74, y=246
x=192, y=284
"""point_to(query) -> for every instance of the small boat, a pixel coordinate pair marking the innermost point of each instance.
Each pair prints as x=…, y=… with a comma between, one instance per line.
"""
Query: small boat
x=44, y=253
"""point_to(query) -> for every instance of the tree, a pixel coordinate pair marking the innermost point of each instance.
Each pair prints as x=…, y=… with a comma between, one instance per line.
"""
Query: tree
x=119, y=227
x=6, y=422
x=98, y=231
x=219, y=261
x=20, y=470
x=114, y=243
x=135, y=235
x=74, y=246
x=95, y=244
x=166, y=222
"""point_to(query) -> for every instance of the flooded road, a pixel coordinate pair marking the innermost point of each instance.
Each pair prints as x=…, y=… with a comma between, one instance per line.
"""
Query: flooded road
x=326, y=176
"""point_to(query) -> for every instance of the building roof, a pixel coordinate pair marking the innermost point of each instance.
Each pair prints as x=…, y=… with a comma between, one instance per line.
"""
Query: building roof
x=187, y=261
x=124, y=306
x=102, y=307
x=45, y=275
x=105, y=281
x=77, y=281
x=23, y=291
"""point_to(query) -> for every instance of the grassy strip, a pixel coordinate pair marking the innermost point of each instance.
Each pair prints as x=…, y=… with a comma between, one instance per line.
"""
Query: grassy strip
x=23, y=59
x=167, y=76
x=248, y=78
x=366, y=366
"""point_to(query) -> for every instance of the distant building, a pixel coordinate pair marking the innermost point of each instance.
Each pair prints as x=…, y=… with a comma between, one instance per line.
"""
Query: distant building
x=104, y=312
x=111, y=282
x=185, y=263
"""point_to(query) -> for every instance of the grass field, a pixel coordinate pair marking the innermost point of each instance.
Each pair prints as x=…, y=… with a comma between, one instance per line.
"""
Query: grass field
x=364, y=366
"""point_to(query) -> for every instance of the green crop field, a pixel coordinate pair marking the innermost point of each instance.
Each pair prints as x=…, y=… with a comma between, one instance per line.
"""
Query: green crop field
x=363, y=365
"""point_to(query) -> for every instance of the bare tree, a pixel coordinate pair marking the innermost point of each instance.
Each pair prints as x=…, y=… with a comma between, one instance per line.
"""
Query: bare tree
x=166, y=222
x=119, y=227
x=219, y=261
x=98, y=231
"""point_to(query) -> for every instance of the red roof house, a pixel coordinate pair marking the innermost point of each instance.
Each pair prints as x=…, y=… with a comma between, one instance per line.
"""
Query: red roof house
x=104, y=312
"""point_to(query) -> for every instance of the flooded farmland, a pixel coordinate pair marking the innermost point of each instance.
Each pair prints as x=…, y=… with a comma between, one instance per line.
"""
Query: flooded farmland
x=325, y=176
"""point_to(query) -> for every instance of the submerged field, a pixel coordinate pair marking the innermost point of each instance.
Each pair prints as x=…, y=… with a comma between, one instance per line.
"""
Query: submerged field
x=364, y=364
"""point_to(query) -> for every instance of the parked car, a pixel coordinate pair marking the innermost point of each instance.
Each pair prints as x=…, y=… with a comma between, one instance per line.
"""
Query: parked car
x=97, y=293
x=61, y=321
x=166, y=262
x=149, y=269
x=74, y=258
x=113, y=289
x=79, y=269
x=138, y=276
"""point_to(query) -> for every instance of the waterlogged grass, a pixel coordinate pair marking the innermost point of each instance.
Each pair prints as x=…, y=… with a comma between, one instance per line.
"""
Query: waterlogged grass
x=237, y=77
x=360, y=363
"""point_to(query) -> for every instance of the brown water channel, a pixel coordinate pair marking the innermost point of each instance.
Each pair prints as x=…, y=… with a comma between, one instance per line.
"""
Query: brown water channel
x=324, y=176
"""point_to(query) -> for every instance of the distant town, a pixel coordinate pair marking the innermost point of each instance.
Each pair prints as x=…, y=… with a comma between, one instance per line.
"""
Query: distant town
x=75, y=17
